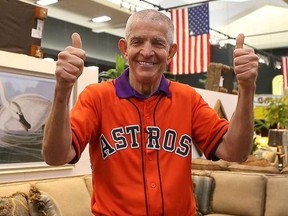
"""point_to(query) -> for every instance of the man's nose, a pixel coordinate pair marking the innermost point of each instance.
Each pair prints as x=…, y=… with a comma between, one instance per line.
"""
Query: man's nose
x=147, y=50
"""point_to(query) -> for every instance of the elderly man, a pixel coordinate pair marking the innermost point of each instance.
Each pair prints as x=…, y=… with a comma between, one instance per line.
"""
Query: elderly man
x=140, y=127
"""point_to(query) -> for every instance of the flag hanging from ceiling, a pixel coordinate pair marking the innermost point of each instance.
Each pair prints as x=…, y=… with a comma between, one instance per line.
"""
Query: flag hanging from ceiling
x=284, y=66
x=192, y=36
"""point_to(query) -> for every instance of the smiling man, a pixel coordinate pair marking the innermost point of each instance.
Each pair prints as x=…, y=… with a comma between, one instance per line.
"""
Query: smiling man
x=141, y=126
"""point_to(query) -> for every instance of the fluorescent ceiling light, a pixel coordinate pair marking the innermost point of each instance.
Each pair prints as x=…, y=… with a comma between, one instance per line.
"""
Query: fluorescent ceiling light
x=101, y=19
x=236, y=0
x=46, y=2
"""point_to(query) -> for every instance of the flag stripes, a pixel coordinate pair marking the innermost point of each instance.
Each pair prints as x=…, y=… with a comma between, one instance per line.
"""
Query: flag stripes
x=192, y=37
x=284, y=66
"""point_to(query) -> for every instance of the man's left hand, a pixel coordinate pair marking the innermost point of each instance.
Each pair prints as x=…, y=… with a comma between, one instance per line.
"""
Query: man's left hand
x=245, y=64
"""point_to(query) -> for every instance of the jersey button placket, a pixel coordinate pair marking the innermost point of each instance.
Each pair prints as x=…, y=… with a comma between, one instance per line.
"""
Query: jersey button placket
x=152, y=174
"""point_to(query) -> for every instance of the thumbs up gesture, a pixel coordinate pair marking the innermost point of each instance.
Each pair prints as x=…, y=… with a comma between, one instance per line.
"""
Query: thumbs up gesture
x=245, y=64
x=70, y=63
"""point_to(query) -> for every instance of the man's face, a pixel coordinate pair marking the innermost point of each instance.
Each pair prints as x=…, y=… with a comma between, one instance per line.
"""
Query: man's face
x=147, y=50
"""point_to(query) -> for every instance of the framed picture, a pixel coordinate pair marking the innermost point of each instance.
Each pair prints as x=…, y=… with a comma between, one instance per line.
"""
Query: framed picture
x=25, y=102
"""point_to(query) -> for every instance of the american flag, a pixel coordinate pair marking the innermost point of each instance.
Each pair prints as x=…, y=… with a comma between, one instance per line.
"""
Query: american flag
x=192, y=36
x=284, y=66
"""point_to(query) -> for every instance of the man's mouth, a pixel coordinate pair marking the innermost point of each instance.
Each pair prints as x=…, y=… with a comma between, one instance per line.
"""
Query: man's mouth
x=142, y=63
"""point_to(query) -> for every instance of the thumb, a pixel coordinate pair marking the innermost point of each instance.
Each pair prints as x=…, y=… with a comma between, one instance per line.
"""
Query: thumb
x=76, y=40
x=239, y=41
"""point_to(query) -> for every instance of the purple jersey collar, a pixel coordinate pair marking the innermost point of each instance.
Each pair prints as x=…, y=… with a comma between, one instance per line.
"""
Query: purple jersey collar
x=124, y=90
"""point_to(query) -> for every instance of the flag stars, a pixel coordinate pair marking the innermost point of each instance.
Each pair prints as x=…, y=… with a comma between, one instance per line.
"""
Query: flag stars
x=198, y=19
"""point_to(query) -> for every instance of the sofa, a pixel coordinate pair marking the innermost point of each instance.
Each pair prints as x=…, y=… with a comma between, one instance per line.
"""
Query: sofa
x=241, y=190
x=233, y=189
x=66, y=196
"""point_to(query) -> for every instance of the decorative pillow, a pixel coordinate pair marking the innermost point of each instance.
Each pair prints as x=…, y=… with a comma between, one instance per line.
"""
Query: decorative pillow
x=255, y=161
x=253, y=169
x=203, y=191
x=204, y=164
x=285, y=170
x=40, y=204
x=16, y=204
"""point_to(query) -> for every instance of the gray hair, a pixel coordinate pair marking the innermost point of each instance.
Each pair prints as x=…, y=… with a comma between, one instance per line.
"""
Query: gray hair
x=151, y=15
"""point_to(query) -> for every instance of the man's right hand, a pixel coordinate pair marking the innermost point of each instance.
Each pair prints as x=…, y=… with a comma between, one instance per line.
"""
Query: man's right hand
x=70, y=63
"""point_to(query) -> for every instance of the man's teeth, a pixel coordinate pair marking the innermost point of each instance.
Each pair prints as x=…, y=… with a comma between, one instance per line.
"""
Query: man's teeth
x=146, y=63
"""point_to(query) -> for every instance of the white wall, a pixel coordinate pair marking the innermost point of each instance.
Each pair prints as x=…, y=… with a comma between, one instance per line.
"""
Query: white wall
x=228, y=101
x=24, y=63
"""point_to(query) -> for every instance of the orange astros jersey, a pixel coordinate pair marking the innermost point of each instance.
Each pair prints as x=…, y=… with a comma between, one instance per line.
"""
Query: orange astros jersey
x=140, y=149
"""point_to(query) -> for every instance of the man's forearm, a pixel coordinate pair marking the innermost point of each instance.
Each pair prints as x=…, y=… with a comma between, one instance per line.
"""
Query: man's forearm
x=57, y=146
x=239, y=137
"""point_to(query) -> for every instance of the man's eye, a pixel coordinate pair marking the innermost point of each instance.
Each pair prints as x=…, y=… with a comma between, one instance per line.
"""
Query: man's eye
x=160, y=44
x=135, y=42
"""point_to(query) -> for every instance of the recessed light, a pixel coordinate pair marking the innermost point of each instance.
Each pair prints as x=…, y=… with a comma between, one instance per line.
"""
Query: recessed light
x=46, y=2
x=101, y=19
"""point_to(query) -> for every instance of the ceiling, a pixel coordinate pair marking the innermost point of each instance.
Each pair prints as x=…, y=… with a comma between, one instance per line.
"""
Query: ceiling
x=264, y=22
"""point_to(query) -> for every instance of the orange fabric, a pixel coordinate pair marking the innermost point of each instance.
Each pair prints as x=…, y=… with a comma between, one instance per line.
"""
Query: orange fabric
x=141, y=149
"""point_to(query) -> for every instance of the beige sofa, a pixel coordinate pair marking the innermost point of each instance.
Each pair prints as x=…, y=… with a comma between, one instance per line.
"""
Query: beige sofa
x=242, y=190
x=247, y=194
x=62, y=196
x=227, y=192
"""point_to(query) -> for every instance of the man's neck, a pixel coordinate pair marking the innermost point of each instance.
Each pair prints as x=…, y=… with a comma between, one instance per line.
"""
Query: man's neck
x=145, y=88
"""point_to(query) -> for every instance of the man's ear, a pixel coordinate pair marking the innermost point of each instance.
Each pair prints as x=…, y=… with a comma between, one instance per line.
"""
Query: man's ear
x=172, y=51
x=122, y=46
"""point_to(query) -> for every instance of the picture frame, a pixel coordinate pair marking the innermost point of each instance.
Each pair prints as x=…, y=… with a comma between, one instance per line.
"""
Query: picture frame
x=25, y=102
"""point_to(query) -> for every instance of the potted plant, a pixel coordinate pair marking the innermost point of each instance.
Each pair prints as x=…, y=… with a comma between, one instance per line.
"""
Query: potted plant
x=276, y=122
x=275, y=114
x=113, y=73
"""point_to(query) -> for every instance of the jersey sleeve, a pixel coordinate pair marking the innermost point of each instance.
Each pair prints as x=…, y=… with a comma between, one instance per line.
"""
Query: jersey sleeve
x=207, y=127
x=84, y=121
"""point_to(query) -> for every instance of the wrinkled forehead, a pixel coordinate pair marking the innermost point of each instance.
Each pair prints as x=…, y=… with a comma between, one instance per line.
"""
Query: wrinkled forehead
x=157, y=23
x=148, y=19
x=147, y=30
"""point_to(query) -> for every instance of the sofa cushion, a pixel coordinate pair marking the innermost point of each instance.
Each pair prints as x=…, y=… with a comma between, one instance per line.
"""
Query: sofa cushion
x=203, y=190
x=276, y=195
x=41, y=204
x=17, y=204
x=88, y=182
x=67, y=192
x=230, y=187
x=7, y=189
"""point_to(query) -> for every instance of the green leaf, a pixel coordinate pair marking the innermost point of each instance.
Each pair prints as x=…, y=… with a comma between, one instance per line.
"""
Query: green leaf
x=276, y=113
x=114, y=73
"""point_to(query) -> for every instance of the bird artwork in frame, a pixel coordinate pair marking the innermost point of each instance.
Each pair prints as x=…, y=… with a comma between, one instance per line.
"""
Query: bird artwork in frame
x=25, y=102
